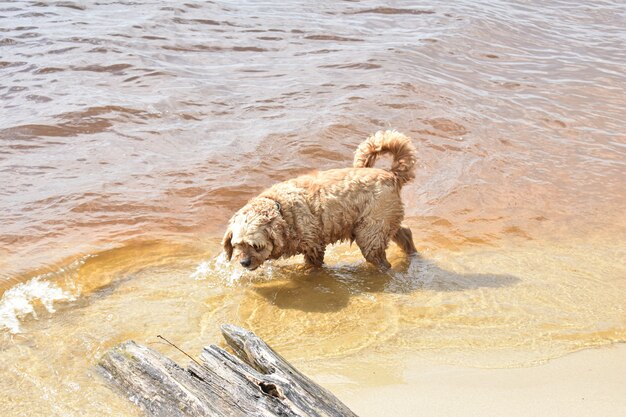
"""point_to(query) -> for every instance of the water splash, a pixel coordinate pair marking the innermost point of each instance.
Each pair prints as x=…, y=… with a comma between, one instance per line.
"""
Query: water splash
x=218, y=267
x=22, y=300
x=230, y=274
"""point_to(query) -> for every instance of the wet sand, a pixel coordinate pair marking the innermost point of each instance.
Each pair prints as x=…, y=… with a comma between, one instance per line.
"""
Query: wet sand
x=586, y=383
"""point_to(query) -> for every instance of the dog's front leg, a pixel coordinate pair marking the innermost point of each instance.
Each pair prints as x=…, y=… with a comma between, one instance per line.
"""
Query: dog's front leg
x=378, y=259
x=314, y=257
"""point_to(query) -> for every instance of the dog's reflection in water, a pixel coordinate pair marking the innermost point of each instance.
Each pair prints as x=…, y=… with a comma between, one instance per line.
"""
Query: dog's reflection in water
x=329, y=288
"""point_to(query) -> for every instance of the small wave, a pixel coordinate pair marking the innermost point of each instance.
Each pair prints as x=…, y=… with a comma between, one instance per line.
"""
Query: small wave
x=48, y=70
x=391, y=11
x=200, y=21
x=8, y=41
x=114, y=68
x=90, y=120
x=23, y=299
x=332, y=38
x=357, y=65
x=20, y=301
x=67, y=4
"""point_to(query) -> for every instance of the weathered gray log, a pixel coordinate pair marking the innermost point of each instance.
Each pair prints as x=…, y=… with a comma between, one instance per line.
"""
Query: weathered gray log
x=255, y=382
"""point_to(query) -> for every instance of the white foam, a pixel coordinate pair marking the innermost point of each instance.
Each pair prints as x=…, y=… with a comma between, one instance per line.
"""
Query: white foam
x=220, y=267
x=20, y=301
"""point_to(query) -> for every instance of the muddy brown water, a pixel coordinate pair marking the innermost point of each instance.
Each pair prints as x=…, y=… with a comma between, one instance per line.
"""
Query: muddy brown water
x=131, y=131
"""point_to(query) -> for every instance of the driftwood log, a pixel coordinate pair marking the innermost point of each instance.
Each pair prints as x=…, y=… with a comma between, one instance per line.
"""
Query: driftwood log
x=255, y=382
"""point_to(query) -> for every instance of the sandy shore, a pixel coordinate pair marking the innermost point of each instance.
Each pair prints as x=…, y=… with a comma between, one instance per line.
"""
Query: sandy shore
x=586, y=383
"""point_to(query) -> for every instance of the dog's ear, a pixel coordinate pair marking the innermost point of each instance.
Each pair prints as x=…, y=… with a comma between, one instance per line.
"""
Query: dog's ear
x=278, y=235
x=228, y=246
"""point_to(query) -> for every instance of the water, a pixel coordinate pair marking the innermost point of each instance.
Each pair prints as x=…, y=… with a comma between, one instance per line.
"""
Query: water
x=130, y=132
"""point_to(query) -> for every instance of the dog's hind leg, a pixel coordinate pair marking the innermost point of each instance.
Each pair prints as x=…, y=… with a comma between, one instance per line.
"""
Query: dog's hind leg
x=404, y=239
x=372, y=239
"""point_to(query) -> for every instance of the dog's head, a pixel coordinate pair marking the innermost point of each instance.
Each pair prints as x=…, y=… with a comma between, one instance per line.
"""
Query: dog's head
x=255, y=233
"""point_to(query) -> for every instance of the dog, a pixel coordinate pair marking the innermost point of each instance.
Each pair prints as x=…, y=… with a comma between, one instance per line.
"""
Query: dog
x=305, y=214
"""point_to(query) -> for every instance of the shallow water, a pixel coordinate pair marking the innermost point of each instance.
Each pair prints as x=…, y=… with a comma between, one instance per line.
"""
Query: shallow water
x=131, y=132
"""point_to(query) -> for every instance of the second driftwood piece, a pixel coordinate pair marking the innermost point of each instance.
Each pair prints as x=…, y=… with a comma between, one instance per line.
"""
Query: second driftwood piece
x=255, y=382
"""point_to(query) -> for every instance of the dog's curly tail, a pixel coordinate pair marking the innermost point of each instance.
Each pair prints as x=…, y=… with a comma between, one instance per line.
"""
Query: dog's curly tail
x=393, y=142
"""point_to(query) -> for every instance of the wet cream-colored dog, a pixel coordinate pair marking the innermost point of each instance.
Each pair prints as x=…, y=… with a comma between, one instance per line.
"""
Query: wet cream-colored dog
x=303, y=215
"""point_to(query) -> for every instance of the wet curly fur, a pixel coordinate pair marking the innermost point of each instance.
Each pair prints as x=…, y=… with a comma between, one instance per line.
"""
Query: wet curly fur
x=305, y=214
